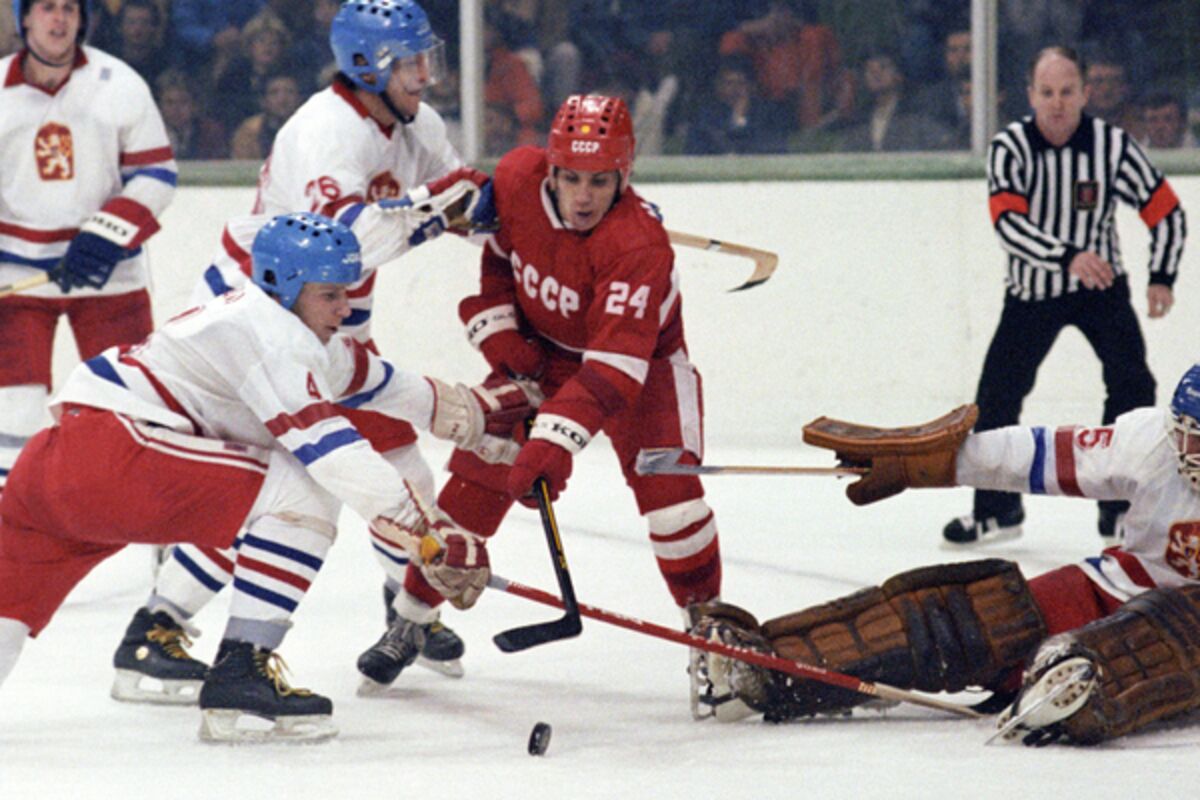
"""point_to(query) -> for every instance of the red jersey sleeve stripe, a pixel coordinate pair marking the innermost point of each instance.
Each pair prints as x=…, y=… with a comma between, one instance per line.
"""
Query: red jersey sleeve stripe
x=364, y=290
x=1007, y=201
x=362, y=364
x=236, y=252
x=1160, y=204
x=304, y=418
x=1064, y=461
x=35, y=236
x=139, y=158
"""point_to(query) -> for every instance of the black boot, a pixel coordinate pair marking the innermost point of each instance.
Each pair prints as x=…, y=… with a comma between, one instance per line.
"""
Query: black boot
x=397, y=649
x=152, y=663
x=248, y=681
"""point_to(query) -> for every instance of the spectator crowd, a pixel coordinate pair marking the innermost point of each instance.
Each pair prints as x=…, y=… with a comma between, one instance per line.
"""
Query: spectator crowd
x=718, y=77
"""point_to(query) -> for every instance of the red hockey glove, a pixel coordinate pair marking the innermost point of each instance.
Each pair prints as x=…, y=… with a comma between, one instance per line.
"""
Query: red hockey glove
x=553, y=442
x=493, y=329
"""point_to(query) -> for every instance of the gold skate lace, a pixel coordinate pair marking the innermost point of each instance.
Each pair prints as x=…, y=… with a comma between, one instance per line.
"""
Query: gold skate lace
x=173, y=641
x=275, y=668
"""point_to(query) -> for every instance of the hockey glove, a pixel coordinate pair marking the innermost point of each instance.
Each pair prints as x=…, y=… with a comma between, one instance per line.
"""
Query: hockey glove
x=491, y=409
x=553, y=442
x=460, y=202
x=492, y=328
x=917, y=456
x=90, y=261
x=454, y=561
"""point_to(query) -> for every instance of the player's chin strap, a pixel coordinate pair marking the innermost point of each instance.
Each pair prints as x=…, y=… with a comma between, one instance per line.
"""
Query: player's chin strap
x=401, y=117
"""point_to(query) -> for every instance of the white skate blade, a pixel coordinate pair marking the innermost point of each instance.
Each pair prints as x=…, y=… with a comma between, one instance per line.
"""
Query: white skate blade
x=230, y=726
x=134, y=687
x=451, y=669
x=1058, y=694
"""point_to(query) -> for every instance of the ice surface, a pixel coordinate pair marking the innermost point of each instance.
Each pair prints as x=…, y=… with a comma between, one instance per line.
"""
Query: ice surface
x=616, y=699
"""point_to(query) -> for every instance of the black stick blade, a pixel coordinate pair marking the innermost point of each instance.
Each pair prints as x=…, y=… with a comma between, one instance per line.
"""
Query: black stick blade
x=527, y=636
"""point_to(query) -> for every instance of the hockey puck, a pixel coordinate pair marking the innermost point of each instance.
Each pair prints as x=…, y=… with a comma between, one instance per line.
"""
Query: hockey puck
x=539, y=739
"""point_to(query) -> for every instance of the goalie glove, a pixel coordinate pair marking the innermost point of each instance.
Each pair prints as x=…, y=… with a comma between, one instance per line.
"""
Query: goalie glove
x=460, y=202
x=454, y=561
x=917, y=456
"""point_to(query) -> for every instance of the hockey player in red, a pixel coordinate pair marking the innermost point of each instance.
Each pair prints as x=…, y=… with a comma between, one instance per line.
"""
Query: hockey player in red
x=579, y=292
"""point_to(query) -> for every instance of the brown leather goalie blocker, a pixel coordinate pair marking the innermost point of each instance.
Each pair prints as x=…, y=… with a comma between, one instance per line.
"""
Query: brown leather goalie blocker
x=898, y=458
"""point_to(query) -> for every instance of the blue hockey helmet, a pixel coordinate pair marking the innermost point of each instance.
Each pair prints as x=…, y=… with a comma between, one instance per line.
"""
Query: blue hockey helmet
x=294, y=249
x=1185, y=425
x=370, y=38
x=21, y=8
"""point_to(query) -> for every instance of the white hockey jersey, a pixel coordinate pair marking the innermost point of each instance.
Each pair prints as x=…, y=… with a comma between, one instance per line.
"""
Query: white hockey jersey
x=331, y=157
x=243, y=369
x=95, y=145
x=1132, y=460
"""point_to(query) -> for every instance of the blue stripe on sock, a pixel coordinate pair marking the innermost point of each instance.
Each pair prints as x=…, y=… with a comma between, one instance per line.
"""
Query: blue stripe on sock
x=194, y=568
x=266, y=595
x=401, y=560
x=299, y=556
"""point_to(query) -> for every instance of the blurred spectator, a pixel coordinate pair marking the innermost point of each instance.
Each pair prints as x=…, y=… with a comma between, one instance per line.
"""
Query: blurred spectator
x=104, y=22
x=210, y=31
x=735, y=120
x=509, y=83
x=193, y=135
x=311, y=55
x=281, y=96
x=516, y=21
x=263, y=53
x=1164, y=121
x=796, y=60
x=942, y=99
x=500, y=128
x=648, y=107
x=141, y=38
x=888, y=122
x=1109, y=96
x=923, y=30
x=9, y=41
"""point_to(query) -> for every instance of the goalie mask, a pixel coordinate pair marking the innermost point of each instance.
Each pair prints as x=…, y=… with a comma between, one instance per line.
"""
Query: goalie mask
x=294, y=249
x=1184, y=427
x=371, y=39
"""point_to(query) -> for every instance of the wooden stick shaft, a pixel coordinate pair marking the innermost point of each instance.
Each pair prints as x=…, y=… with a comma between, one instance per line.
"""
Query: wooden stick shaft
x=717, y=245
x=693, y=469
x=28, y=283
x=767, y=660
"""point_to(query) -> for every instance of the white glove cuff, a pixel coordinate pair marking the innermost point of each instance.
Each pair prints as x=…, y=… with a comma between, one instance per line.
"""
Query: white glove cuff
x=109, y=226
x=489, y=321
x=562, y=431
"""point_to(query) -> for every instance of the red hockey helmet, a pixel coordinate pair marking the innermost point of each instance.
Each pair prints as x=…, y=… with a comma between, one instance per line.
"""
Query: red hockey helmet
x=592, y=133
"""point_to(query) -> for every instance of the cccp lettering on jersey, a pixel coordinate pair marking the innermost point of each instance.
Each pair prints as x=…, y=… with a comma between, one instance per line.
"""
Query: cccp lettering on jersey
x=552, y=294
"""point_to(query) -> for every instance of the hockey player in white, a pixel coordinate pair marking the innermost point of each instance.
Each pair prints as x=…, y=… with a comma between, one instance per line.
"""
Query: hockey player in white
x=350, y=152
x=86, y=169
x=225, y=418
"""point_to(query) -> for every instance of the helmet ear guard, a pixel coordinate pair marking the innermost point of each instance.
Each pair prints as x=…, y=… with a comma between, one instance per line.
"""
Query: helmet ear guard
x=593, y=133
x=294, y=249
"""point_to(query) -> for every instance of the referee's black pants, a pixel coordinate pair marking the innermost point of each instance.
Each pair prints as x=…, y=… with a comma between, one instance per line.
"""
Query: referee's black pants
x=1026, y=332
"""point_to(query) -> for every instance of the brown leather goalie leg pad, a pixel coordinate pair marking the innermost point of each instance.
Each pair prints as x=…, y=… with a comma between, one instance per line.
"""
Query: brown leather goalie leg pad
x=1147, y=656
x=938, y=628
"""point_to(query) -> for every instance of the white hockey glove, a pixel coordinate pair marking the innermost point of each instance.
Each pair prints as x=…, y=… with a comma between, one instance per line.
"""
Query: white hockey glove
x=482, y=418
x=453, y=560
x=460, y=201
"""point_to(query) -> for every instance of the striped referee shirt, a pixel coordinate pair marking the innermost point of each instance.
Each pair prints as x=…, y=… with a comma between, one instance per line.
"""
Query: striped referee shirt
x=1048, y=203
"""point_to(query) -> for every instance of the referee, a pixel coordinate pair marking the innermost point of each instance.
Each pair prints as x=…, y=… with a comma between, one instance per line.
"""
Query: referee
x=1054, y=180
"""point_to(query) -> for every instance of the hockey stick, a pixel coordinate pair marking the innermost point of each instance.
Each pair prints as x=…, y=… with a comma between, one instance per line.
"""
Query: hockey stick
x=755, y=657
x=517, y=639
x=665, y=461
x=28, y=283
x=764, y=260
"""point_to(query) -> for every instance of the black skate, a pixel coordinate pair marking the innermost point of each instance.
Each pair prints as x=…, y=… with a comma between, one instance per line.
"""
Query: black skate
x=397, y=649
x=246, y=687
x=443, y=649
x=152, y=664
